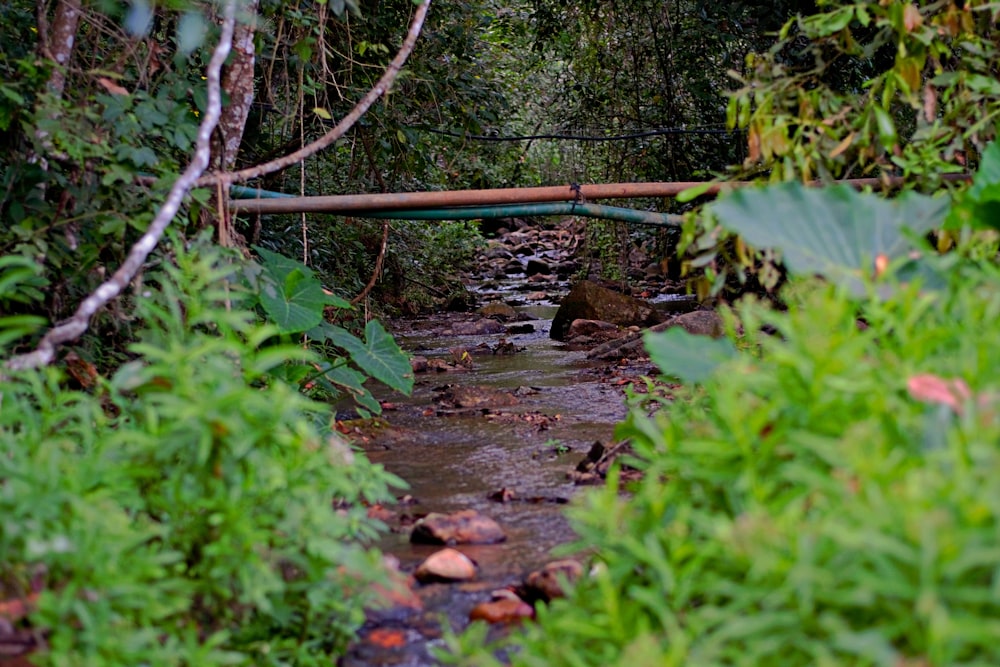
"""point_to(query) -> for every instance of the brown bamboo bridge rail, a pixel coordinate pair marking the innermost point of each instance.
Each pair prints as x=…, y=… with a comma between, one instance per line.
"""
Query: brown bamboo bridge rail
x=504, y=202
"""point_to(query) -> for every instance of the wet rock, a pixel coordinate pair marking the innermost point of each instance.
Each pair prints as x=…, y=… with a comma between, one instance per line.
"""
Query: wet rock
x=583, y=327
x=654, y=270
x=683, y=303
x=566, y=269
x=397, y=591
x=419, y=364
x=536, y=296
x=504, y=495
x=445, y=565
x=544, y=584
x=472, y=396
x=521, y=329
x=498, y=311
x=513, y=267
x=506, y=348
x=594, y=455
x=481, y=327
x=523, y=250
x=700, y=323
x=443, y=366
x=465, y=527
x=497, y=252
x=588, y=300
x=504, y=610
x=536, y=266
x=628, y=347
x=541, y=278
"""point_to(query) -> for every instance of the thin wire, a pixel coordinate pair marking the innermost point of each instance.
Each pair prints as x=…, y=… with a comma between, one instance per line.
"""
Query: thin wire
x=578, y=137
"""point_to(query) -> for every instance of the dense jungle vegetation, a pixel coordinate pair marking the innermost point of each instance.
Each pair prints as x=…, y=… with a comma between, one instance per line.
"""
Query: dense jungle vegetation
x=823, y=493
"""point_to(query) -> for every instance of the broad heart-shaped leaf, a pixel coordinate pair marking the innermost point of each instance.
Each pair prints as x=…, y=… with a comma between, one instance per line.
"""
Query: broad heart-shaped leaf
x=686, y=356
x=290, y=294
x=835, y=232
x=378, y=355
x=345, y=378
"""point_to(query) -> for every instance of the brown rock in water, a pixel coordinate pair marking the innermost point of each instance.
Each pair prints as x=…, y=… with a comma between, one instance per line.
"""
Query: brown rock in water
x=544, y=584
x=397, y=590
x=465, y=527
x=418, y=363
x=472, y=396
x=583, y=327
x=481, y=327
x=499, y=311
x=537, y=266
x=589, y=301
x=505, y=610
x=445, y=565
x=700, y=323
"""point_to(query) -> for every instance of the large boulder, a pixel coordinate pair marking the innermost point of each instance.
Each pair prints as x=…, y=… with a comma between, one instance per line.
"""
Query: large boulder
x=589, y=301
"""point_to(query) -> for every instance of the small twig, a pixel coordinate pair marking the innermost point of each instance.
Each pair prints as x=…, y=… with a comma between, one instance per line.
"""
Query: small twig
x=76, y=325
x=380, y=88
x=378, y=265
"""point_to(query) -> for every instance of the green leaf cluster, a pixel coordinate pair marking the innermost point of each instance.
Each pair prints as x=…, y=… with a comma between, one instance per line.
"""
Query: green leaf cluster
x=183, y=511
x=825, y=496
x=293, y=299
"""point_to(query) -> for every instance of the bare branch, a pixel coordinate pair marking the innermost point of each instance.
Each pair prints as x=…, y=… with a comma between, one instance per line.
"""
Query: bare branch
x=76, y=325
x=391, y=72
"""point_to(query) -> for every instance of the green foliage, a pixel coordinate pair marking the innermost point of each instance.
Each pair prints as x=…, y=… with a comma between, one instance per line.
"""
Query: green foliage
x=292, y=298
x=182, y=513
x=979, y=206
x=872, y=88
x=20, y=284
x=825, y=497
x=290, y=294
x=834, y=232
x=688, y=357
x=856, y=89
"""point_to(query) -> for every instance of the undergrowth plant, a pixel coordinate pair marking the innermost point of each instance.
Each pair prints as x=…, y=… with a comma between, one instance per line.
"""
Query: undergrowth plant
x=824, y=489
x=192, y=509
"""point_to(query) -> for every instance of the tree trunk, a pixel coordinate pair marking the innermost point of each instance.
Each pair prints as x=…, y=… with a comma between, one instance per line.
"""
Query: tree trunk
x=238, y=84
x=61, y=41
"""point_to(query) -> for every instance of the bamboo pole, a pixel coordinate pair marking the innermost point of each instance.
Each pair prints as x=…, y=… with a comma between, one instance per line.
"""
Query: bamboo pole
x=395, y=201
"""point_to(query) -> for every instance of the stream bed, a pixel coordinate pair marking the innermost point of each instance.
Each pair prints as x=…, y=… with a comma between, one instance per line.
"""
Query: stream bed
x=456, y=459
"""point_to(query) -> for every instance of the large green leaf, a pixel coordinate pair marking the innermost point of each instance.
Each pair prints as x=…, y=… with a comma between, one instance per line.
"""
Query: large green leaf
x=346, y=379
x=835, y=232
x=686, y=356
x=379, y=356
x=291, y=295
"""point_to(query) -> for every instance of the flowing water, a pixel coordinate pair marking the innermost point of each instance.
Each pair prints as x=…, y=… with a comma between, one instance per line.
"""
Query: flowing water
x=455, y=461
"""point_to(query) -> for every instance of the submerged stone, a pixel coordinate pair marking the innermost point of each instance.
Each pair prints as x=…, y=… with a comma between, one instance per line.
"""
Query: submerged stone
x=465, y=527
x=445, y=565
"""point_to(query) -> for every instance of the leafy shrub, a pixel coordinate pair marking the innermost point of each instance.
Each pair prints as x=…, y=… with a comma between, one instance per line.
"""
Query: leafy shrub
x=184, y=512
x=825, y=497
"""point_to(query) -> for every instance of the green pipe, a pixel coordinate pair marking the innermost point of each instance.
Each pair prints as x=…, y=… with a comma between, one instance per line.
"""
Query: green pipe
x=582, y=209
x=244, y=192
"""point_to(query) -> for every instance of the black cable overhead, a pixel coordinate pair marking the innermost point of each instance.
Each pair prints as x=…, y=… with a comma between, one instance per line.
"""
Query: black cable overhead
x=578, y=137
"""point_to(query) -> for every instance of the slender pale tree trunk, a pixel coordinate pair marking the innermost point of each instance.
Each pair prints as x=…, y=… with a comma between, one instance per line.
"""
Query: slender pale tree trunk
x=60, y=41
x=238, y=84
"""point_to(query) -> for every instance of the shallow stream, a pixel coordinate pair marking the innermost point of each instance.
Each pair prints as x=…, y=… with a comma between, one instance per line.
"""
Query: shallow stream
x=456, y=461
